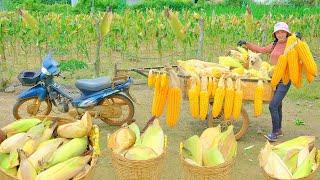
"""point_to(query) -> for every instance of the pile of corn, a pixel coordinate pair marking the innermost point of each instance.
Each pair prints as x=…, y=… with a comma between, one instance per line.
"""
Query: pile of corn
x=32, y=150
x=128, y=142
x=166, y=92
x=293, y=159
x=296, y=61
x=211, y=149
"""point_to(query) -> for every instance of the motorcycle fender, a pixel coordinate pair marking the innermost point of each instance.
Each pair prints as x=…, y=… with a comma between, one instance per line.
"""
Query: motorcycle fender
x=35, y=91
x=128, y=96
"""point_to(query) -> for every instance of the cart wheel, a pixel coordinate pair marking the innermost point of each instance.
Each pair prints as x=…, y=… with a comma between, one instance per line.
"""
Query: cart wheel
x=240, y=126
x=118, y=109
x=31, y=107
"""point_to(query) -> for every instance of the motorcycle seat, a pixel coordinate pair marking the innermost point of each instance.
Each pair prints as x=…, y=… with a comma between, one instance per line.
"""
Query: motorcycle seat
x=96, y=84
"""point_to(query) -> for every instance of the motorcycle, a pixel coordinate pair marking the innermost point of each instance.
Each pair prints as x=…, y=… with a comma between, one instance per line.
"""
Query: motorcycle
x=104, y=97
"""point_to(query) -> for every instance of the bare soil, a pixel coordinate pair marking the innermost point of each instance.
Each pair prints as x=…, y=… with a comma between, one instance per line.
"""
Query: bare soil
x=247, y=165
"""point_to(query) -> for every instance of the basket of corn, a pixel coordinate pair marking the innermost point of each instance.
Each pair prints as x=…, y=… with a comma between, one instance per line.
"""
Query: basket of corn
x=210, y=156
x=294, y=159
x=138, y=156
x=41, y=149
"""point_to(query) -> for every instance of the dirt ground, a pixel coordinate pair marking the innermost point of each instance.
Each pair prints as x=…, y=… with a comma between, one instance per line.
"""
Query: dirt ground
x=246, y=167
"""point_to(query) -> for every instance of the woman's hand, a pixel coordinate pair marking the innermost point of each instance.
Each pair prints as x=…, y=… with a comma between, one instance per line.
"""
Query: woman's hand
x=241, y=42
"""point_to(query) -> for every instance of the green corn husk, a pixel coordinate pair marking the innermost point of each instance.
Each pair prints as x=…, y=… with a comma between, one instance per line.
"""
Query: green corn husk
x=22, y=125
x=192, y=149
x=105, y=25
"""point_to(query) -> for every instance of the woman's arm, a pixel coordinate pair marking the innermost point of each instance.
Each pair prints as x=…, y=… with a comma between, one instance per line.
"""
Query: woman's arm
x=259, y=49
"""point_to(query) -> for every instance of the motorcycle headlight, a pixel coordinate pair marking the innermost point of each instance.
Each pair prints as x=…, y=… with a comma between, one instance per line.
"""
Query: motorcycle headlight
x=45, y=71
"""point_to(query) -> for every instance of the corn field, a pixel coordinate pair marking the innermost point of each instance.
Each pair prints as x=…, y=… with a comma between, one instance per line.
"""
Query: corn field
x=138, y=36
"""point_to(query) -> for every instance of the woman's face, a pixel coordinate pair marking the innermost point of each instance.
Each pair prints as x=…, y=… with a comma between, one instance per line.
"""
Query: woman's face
x=281, y=35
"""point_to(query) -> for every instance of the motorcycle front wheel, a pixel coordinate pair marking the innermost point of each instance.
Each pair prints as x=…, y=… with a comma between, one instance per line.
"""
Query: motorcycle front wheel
x=116, y=110
x=31, y=107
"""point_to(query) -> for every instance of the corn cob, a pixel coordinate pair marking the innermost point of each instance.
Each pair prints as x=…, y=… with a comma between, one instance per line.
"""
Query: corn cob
x=279, y=70
x=286, y=77
x=193, y=102
x=73, y=148
x=293, y=65
x=164, y=80
x=204, y=98
x=237, y=104
x=258, y=95
x=218, y=98
x=105, y=25
x=44, y=152
x=5, y=166
x=65, y=170
x=76, y=129
x=174, y=106
x=151, y=78
x=214, y=86
x=308, y=75
x=174, y=100
x=13, y=142
x=26, y=169
x=156, y=95
x=22, y=125
x=298, y=84
x=210, y=85
x=229, y=98
x=163, y=93
x=94, y=139
x=306, y=57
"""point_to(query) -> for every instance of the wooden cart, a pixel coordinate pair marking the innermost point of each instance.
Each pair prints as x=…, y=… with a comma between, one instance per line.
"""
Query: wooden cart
x=248, y=85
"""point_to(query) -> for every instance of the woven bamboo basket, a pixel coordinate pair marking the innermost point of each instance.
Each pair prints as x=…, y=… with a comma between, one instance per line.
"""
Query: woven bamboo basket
x=86, y=176
x=310, y=177
x=249, y=86
x=220, y=172
x=150, y=169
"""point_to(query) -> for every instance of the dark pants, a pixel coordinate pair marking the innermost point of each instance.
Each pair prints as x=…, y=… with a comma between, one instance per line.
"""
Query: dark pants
x=275, y=106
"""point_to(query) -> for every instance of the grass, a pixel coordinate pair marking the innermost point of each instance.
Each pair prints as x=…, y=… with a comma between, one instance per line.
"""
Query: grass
x=306, y=92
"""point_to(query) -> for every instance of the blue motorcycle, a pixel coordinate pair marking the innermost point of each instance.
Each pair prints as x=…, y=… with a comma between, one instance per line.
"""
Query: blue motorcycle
x=104, y=97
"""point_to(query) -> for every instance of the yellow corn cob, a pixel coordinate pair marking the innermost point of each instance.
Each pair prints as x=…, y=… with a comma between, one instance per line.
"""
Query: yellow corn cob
x=105, y=25
x=214, y=86
x=198, y=85
x=308, y=75
x=218, y=98
x=65, y=170
x=151, y=78
x=210, y=85
x=162, y=96
x=164, y=80
x=298, y=83
x=306, y=57
x=156, y=95
x=293, y=65
x=194, y=102
x=279, y=70
x=174, y=106
x=94, y=139
x=237, y=102
x=174, y=100
x=204, y=98
x=286, y=77
x=229, y=98
x=258, y=101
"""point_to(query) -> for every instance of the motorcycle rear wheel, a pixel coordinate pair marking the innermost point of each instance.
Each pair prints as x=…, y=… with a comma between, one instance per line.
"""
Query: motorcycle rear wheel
x=127, y=109
x=28, y=107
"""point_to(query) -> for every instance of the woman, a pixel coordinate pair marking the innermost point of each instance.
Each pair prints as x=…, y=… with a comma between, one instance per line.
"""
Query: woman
x=281, y=33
